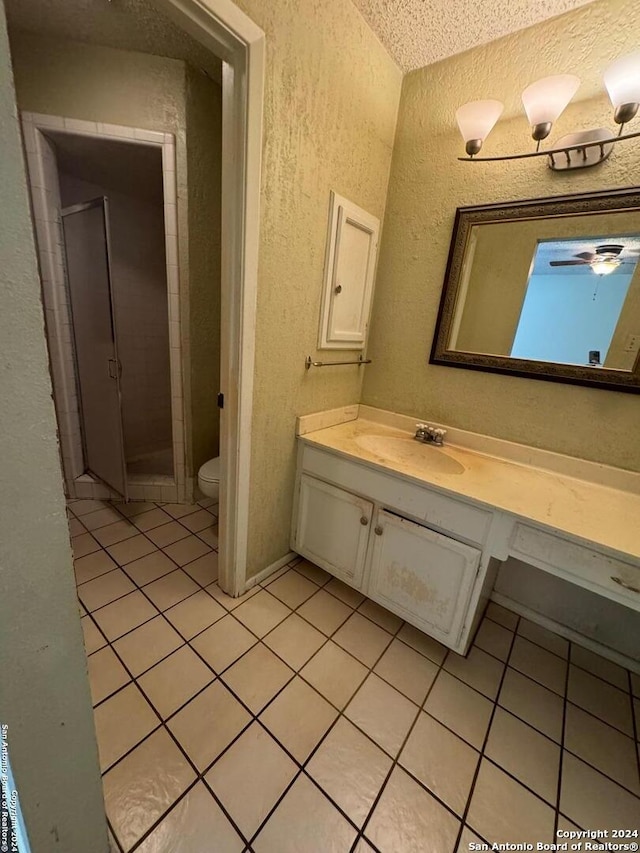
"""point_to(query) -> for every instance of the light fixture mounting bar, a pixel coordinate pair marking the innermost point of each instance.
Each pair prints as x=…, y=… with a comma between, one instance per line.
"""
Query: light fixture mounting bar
x=606, y=142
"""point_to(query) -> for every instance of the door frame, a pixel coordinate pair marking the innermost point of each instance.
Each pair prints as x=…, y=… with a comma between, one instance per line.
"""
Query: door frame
x=42, y=179
x=232, y=36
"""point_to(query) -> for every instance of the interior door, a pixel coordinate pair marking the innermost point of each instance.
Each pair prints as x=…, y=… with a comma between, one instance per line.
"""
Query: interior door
x=86, y=237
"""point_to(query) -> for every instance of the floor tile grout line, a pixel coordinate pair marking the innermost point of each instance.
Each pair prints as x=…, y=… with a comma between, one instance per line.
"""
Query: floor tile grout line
x=396, y=760
x=561, y=657
x=300, y=605
x=256, y=717
x=122, y=568
x=485, y=740
x=164, y=815
x=564, y=749
x=219, y=676
x=139, y=589
x=171, y=518
x=354, y=609
x=163, y=725
x=599, y=677
x=562, y=741
x=535, y=680
x=114, y=836
x=370, y=670
x=253, y=718
x=532, y=643
x=259, y=639
x=189, y=643
x=340, y=714
x=599, y=770
x=590, y=713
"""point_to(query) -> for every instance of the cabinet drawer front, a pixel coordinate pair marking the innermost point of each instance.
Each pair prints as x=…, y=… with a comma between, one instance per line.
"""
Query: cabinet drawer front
x=423, y=576
x=333, y=529
x=616, y=579
x=435, y=509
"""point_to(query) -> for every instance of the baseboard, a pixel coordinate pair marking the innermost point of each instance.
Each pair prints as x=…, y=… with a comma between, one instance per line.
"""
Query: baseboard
x=567, y=633
x=279, y=564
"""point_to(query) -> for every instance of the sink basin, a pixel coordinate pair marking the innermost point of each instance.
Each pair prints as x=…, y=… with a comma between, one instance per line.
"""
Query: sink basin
x=422, y=457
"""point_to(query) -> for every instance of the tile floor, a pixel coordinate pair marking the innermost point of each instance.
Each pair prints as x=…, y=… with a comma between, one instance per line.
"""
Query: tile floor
x=302, y=717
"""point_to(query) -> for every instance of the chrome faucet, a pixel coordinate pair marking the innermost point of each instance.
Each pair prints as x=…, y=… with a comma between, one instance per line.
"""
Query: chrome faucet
x=429, y=434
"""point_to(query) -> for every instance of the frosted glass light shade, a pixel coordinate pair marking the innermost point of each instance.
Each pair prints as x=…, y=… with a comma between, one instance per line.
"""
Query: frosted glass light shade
x=622, y=79
x=477, y=118
x=545, y=99
x=605, y=267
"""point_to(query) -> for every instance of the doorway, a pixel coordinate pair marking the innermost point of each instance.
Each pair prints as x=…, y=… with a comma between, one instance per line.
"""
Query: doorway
x=222, y=30
x=106, y=228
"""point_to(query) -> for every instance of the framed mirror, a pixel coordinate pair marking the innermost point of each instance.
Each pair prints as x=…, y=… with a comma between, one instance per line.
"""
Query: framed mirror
x=546, y=288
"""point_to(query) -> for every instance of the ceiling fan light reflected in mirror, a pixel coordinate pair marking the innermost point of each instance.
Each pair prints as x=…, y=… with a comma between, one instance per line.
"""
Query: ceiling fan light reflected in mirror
x=604, y=266
x=603, y=261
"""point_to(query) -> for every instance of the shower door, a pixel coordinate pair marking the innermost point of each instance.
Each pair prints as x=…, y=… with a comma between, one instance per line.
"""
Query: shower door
x=86, y=238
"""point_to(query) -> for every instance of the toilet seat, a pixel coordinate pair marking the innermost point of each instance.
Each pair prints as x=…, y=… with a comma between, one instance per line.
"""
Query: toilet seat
x=210, y=471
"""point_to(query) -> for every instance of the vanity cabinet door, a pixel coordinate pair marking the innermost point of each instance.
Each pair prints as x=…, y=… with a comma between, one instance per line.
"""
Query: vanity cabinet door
x=423, y=576
x=332, y=529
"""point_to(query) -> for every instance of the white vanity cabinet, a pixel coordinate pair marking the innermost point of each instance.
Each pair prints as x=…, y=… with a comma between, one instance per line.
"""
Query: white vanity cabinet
x=412, y=549
x=421, y=575
x=333, y=529
x=424, y=531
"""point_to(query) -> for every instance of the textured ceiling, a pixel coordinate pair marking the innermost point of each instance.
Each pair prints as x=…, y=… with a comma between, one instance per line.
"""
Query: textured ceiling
x=419, y=32
x=125, y=24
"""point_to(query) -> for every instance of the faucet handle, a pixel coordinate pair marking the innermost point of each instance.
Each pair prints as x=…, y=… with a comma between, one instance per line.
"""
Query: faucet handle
x=438, y=436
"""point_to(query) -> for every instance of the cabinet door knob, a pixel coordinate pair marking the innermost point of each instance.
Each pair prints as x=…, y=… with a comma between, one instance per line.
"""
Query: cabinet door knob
x=378, y=530
x=337, y=288
x=364, y=520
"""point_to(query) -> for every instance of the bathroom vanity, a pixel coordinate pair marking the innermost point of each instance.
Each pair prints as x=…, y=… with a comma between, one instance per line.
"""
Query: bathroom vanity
x=422, y=529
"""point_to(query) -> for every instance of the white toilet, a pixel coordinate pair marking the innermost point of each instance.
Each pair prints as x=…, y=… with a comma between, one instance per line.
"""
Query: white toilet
x=209, y=478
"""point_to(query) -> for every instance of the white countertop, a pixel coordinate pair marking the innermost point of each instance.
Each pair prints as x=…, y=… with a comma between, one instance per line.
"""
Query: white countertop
x=588, y=510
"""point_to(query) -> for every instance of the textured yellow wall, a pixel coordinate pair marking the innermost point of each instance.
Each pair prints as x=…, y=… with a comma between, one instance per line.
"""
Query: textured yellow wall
x=617, y=357
x=204, y=158
x=330, y=109
x=44, y=690
x=428, y=183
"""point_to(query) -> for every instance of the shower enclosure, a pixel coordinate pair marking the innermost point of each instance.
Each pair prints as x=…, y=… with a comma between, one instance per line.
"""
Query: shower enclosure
x=115, y=367
x=86, y=240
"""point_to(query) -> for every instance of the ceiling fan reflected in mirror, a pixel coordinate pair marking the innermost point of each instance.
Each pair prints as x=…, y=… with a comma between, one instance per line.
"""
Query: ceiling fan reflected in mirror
x=603, y=261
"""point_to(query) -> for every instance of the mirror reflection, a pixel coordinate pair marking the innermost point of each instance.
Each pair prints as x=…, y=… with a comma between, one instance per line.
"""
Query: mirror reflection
x=548, y=287
x=567, y=301
x=572, y=311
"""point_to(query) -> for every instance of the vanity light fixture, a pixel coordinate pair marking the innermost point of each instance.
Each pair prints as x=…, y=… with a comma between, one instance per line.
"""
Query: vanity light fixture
x=544, y=101
x=476, y=120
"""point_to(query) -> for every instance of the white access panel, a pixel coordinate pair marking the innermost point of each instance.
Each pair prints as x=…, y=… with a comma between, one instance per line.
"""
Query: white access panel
x=333, y=528
x=421, y=575
x=352, y=245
